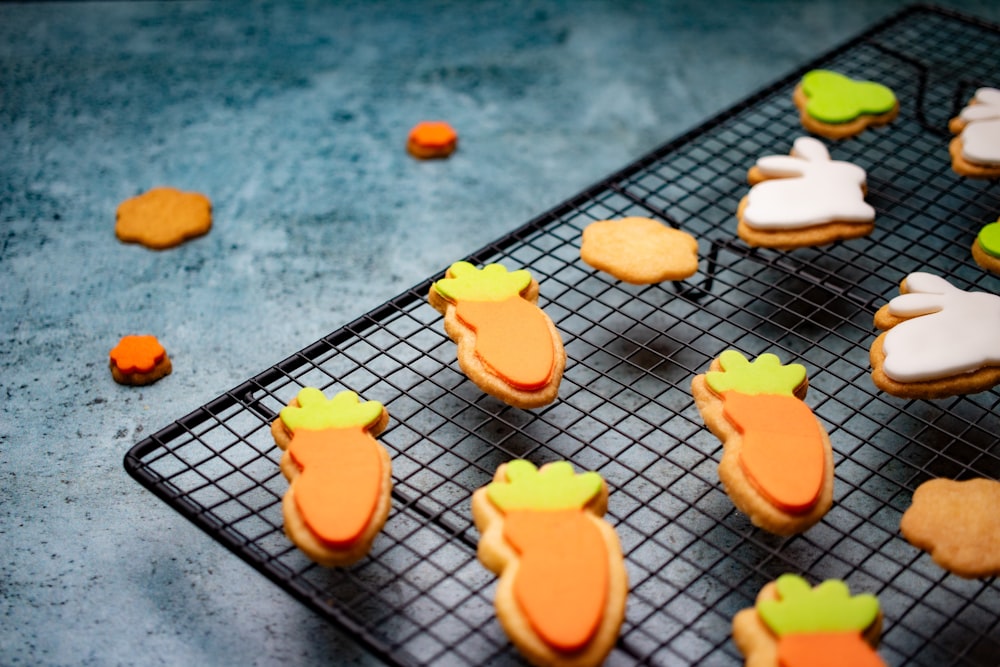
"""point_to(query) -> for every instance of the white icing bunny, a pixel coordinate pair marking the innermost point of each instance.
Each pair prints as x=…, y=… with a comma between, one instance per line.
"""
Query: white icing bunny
x=808, y=189
x=981, y=136
x=952, y=331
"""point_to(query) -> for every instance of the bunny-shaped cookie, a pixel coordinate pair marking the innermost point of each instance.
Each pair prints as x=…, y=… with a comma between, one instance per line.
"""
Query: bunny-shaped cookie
x=975, y=152
x=804, y=199
x=939, y=340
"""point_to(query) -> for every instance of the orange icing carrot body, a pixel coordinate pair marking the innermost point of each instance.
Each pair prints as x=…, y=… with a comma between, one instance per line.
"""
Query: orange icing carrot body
x=827, y=649
x=782, y=451
x=339, y=486
x=562, y=582
x=512, y=339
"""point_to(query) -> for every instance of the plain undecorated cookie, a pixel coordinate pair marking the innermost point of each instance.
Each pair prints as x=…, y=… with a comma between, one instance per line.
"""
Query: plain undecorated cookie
x=163, y=218
x=640, y=251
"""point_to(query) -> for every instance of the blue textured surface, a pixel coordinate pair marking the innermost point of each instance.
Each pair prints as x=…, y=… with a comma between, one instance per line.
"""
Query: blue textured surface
x=292, y=120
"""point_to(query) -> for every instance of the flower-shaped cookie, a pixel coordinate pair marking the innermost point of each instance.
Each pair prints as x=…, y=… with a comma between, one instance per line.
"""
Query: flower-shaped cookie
x=163, y=217
x=640, y=251
x=432, y=139
x=835, y=106
x=958, y=523
x=139, y=360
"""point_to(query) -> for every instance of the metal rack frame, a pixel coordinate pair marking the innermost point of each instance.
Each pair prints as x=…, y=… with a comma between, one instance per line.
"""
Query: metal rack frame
x=625, y=408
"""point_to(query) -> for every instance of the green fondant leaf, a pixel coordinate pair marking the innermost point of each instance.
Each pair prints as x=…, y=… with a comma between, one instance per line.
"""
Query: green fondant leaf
x=553, y=487
x=493, y=283
x=835, y=98
x=316, y=413
x=765, y=375
x=828, y=607
x=989, y=239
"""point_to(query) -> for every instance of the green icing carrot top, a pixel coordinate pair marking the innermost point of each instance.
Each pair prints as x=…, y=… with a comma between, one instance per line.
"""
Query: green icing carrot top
x=315, y=412
x=765, y=375
x=828, y=607
x=835, y=98
x=491, y=283
x=555, y=487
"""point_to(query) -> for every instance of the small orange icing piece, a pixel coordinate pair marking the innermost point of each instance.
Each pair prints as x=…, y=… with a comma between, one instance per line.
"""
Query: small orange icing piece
x=432, y=138
x=137, y=354
x=339, y=486
x=827, y=649
x=562, y=582
x=512, y=339
x=782, y=453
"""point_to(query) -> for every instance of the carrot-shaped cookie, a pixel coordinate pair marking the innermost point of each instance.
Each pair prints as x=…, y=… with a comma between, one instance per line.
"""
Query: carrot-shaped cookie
x=506, y=344
x=794, y=625
x=339, y=475
x=562, y=589
x=777, y=462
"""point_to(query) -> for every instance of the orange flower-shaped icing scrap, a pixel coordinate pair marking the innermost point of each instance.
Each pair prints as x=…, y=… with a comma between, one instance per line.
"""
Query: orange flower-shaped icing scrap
x=340, y=477
x=432, y=139
x=640, y=251
x=506, y=344
x=163, y=217
x=562, y=589
x=139, y=360
x=794, y=625
x=777, y=461
x=958, y=524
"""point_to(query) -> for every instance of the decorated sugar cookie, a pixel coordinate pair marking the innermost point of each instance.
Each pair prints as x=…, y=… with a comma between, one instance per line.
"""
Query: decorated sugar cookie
x=139, y=360
x=958, y=524
x=163, y=217
x=975, y=152
x=562, y=589
x=432, y=139
x=640, y=251
x=986, y=247
x=507, y=345
x=795, y=625
x=937, y=340
x=777, y=461
x=804, y=199
x=835, y=106
x=340, y=477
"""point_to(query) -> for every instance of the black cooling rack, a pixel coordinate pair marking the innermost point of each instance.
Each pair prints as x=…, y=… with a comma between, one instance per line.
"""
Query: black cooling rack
x=625, y=408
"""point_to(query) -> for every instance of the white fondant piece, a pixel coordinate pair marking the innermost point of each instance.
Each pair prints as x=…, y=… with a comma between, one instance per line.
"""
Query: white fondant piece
x=952, y=331
x=808, y=189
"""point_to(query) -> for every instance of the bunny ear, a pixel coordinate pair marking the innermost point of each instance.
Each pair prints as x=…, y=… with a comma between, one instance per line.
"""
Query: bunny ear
x=912, y=305
x=980, y=112
x=990, y=96
x=810, y=149
x=781, y=165
x=928, y=283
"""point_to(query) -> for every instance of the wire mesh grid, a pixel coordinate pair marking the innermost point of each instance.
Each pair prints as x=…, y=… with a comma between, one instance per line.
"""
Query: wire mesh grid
x=625, y=409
